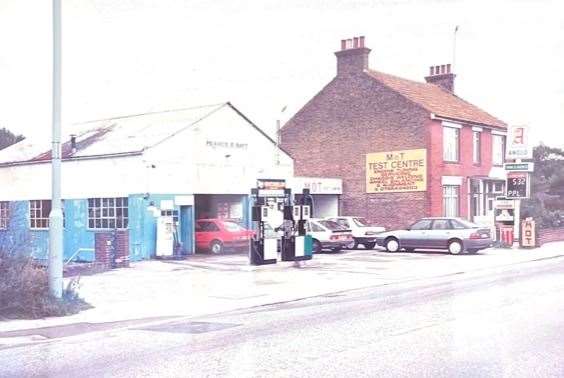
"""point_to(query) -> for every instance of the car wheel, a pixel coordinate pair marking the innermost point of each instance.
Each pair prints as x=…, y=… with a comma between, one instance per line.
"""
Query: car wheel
x=455, y=247
x=355, y=245
x=216, y=247
x=369, y=245
x=392, y=245
x=316, y=246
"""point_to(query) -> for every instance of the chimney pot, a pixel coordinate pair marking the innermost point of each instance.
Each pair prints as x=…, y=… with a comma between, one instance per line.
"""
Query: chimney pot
x=343, y=44
x=349, y=43
x=437, y=70
x=361, y=40
x=443, y=69
x=448, y=68
x=355, y=42
x=431, y=70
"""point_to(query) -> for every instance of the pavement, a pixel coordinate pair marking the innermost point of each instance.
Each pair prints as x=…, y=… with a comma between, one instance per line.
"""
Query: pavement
x=160, y=290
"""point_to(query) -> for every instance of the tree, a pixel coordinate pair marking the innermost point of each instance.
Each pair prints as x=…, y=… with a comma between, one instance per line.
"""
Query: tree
x=7, y=138
x=546, y=204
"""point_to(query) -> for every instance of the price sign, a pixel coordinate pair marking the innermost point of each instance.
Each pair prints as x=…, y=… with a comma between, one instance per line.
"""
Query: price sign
x=517, y=185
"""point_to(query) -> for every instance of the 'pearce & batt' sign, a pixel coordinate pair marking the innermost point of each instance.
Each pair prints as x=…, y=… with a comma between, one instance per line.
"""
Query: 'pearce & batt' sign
x=396, y=171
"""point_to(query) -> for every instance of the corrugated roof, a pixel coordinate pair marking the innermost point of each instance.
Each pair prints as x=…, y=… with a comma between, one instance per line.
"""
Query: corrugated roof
x=437, y=100
x=112, y=136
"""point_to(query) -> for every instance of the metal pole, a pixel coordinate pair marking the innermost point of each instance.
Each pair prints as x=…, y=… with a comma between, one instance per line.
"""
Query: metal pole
x=55, y=269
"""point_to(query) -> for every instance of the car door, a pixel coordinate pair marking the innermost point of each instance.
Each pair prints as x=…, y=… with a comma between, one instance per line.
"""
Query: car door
x=206, y=231
x=439, y=234
x=416, y=236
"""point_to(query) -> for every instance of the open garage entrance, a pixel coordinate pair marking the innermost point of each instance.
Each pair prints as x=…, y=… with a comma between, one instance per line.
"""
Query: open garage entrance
x=222, y=223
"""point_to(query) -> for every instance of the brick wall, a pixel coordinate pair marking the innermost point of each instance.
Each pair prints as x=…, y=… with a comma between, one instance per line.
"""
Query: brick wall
x=550, y=235
x=112, y=250
x=464, y=168
x=352, y=116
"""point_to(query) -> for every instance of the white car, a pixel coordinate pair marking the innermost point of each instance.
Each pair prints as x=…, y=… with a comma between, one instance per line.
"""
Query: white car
x=328, y=235
x=363, y=232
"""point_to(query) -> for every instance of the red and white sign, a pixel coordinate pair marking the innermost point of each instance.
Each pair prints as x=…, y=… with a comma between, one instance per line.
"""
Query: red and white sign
x=518, y=146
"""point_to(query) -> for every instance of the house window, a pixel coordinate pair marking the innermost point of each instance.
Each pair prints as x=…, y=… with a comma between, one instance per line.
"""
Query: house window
x=476, y=147
x=4, y=214
x=108, y=213
x=498, y=149
x=451, y=200
x=39, y=214
x=450, y=144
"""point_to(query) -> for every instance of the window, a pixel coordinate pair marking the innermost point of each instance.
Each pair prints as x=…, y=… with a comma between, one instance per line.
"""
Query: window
x=424, y=224
x=498, y=149
x=476, y=147
x=39, y=214
x=450, y=144
x=450, y=200
x=441, y=224
x=108, y=213
x=4, y=214
x=361, y=222
x=316, y=227
x=342, y=222
x=206, y=227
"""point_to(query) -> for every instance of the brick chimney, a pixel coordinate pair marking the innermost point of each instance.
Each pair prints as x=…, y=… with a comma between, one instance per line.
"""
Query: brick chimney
x=442, y=76
x=353, y=56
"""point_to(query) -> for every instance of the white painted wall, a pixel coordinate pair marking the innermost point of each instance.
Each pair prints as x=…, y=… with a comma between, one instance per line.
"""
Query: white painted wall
x=222, y=154
x=111, y=177
x=183, y=164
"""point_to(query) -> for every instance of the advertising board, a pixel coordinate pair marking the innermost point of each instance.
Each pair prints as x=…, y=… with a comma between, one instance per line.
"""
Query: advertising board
x=396, y=171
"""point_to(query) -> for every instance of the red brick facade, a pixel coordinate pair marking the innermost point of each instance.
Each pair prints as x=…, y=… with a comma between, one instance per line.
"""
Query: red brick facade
x=356, y=114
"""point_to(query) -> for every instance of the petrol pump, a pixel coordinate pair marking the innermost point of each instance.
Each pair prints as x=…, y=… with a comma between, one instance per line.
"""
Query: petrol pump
x=297, y=245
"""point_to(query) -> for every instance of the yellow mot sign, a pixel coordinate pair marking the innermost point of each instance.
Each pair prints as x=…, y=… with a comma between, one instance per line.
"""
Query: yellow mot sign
x=396, y=171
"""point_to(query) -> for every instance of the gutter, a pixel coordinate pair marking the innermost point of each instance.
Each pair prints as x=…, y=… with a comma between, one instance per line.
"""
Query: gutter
x=74, y=158
x=441, y=118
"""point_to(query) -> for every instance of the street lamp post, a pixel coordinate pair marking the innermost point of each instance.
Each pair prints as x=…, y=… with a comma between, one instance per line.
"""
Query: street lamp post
x=55, y=268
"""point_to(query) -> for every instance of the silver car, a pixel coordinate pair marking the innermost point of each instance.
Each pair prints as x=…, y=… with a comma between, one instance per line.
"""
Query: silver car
x=453, y=234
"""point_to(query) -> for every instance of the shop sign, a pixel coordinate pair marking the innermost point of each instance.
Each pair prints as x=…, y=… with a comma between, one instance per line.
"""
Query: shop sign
x=528, y=235
x=518, y=146
x=226, y=144
x=271, y=187
x=317, y=185
x=520, y=167
x=396, y=171
x=517, y=185
x=504, y=215
x=504, y=204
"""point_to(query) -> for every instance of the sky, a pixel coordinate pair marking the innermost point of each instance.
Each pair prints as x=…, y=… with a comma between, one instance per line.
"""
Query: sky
x=135, y=56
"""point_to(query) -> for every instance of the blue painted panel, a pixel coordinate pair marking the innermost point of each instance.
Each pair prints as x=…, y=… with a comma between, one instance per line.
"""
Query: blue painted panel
x=187, y=229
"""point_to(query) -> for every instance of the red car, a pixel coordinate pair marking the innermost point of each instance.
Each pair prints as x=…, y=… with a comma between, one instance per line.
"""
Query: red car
x=218, y=235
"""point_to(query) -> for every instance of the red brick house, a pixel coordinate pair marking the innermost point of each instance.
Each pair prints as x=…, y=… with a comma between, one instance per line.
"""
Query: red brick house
x=404, y=149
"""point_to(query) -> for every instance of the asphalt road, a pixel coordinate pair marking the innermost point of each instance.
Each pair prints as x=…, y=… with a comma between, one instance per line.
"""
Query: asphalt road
x=504, y=323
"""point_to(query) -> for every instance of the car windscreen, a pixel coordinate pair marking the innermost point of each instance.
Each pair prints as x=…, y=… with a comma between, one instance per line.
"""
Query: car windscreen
x=333, y=226
x=232, y=227
x=361, y=222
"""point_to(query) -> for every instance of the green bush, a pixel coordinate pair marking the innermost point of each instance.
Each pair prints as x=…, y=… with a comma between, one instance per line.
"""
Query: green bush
x=24, y=291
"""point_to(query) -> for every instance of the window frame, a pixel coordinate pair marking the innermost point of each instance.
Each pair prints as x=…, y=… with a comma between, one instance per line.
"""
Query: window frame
x=456, y=145
x=96, y=208
x=476, y=147
x=34, y=210
x=4, y=215
x=501, y=151
x=455, y=196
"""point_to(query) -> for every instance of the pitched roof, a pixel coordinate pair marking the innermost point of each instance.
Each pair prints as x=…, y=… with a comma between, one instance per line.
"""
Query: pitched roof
x=437, y=100
x=125, y=135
